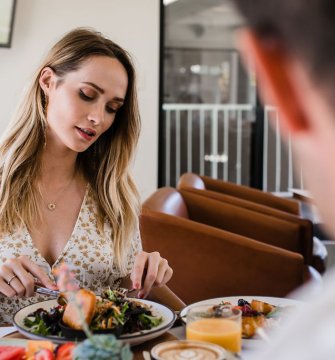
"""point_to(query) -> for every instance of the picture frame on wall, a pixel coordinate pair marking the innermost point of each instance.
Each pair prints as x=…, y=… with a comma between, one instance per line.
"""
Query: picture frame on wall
x=7, y=13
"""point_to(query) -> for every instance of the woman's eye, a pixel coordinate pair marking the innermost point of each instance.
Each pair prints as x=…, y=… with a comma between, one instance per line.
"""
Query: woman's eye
x=84, y=96
x=110, y=110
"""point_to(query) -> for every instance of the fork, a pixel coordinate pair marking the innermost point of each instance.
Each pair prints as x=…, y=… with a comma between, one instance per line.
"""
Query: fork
x=126, y=292
x=55, y=293
x=45, y=291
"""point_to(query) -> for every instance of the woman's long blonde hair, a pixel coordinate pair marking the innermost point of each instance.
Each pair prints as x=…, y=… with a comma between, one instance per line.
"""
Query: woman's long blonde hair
x=105, y=164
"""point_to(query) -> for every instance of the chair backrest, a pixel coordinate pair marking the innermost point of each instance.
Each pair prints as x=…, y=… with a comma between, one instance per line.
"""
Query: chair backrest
x=262, y=227
x=191, y=180
x=318, y=260
x=209, y=262
x=167, y=200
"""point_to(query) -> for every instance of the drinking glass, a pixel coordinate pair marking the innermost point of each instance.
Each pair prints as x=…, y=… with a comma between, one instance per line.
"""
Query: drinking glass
x=221, y=325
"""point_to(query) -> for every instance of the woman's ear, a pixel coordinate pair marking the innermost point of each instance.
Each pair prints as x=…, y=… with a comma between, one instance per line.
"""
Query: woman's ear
x=274, y=75
x=46, y=78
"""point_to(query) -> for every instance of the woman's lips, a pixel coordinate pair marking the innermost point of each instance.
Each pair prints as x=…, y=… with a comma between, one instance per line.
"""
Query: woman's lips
x=86, y=133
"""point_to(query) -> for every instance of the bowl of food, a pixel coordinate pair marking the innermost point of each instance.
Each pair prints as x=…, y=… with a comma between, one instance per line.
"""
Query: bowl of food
x=59, y=320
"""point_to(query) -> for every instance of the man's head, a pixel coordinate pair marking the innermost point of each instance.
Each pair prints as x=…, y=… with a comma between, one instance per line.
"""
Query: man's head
x=293, y=46
x=305, y=27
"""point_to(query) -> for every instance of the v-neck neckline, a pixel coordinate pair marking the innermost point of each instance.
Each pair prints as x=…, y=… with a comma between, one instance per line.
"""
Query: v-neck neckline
x=69, y=241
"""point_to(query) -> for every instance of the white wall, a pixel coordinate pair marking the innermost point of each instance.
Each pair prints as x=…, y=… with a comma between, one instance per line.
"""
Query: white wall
x=134, y=24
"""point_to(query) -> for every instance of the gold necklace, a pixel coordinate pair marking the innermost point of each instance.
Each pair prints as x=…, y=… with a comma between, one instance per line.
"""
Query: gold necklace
x=53, y=204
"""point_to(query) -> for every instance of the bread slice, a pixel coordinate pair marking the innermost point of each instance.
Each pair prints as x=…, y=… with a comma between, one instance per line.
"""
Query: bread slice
x=250, y=323
x=83, y=301
x=262, y=307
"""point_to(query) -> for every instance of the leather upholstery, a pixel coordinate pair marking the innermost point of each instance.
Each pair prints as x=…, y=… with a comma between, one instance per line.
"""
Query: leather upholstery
x=192, y=183
x=232, y=218
x=239, y=191
x=211, y=262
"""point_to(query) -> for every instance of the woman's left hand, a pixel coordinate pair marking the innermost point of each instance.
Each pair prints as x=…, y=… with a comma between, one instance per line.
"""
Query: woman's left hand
x=150, y=269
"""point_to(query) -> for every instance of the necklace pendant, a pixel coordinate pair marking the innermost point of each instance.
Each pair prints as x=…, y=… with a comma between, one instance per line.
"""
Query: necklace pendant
x=51, y=206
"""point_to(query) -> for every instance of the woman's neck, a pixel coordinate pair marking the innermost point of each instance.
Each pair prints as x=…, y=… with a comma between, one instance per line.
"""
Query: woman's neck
x=57, y=167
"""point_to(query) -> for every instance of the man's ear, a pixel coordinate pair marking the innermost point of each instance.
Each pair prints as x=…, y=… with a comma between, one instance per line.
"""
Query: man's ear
x=273, y=74
x=46, y=79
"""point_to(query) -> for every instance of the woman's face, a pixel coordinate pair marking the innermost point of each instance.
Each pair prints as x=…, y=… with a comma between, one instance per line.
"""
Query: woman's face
x=83, y=104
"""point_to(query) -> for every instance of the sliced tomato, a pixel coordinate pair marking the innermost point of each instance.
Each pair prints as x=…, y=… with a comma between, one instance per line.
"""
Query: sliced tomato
x=12, y=353
x=64, y=352
x=44, y=354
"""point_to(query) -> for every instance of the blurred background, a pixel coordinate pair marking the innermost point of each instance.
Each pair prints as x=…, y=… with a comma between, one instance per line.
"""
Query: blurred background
x=200, y=109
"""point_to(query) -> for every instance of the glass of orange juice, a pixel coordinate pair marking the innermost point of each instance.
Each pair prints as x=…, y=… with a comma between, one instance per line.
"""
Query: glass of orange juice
x=221, y=325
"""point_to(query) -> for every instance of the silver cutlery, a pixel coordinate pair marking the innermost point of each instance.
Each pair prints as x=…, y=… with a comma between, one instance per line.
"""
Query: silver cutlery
x=55, y=293
x=45, y=291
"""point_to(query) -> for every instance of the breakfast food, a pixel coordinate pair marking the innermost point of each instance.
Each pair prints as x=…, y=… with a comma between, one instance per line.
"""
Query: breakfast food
x=262, y=307
x=255, y=314
x=87, y=301
x=12, y=352
x=112, y=312
x=98, y=347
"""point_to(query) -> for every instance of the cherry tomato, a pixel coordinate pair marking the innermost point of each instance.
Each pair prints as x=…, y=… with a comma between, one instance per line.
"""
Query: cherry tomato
x=64, y=352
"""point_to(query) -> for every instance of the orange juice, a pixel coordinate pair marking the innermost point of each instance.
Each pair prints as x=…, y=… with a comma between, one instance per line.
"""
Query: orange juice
x=224, y=332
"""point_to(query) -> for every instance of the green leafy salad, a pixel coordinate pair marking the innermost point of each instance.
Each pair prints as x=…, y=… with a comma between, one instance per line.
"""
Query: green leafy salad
x=113, y=312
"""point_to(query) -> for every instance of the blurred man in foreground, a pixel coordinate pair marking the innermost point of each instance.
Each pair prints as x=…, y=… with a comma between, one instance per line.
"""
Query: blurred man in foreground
x=293, y=46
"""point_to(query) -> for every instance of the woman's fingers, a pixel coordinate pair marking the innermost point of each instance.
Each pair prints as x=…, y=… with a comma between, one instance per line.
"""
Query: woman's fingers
x=6, y=278
x=153, y=261
x=167, y=276
x=38, y=272
x=14, y=277
x=138, y=269
x=150, y=269
x=17, y=277
x=164, y=273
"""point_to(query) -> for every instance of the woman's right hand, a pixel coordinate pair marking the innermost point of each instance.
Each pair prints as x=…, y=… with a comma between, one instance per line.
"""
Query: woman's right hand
x=17, y=277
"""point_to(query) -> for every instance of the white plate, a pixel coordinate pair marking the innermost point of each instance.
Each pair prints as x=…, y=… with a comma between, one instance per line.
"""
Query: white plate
x=133, y=339
x=234, y=300
x=246, y=342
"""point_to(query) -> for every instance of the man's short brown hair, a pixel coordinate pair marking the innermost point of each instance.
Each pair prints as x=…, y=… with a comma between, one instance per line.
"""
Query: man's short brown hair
x=305, y=27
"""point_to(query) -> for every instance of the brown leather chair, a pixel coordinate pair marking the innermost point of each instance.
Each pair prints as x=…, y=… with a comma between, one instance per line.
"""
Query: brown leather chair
x=193, y=184
x=241, y=221
x=210, y=262
x=240, y=191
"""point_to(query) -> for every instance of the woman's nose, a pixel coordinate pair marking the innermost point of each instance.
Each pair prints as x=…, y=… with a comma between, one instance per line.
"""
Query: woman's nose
x=96, y=115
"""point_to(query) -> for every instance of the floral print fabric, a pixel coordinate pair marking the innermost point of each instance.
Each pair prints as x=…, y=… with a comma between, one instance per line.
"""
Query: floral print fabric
x=89, y=252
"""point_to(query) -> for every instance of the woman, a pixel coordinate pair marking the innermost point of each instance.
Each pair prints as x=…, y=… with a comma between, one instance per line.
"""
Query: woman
x=66, y=194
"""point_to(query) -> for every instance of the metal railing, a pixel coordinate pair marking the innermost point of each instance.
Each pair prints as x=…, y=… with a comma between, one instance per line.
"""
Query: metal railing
x=280, y=155
x=214, y=140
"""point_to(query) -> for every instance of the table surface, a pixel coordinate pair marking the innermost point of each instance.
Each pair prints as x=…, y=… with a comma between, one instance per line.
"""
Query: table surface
x=248, y=346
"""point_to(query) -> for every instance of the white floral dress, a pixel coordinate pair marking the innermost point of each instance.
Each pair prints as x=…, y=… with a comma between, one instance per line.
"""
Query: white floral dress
x=89, y=252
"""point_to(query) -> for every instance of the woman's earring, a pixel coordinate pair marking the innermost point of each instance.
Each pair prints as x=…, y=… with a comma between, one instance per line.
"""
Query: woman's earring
x=45, y=134
x=45, y=105
x=45, y=109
